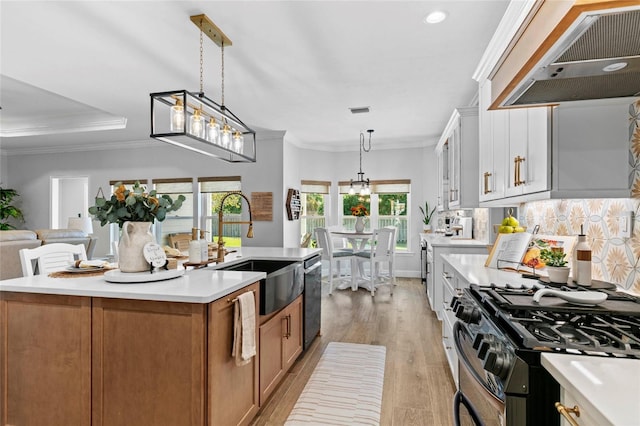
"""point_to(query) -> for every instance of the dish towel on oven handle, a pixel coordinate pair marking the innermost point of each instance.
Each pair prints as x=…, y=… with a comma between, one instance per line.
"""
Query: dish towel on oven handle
x=244, y=329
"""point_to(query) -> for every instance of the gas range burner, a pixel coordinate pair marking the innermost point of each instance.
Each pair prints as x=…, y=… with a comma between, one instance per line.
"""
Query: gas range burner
x=611, y=328
x=517, y=297
x=606, y=333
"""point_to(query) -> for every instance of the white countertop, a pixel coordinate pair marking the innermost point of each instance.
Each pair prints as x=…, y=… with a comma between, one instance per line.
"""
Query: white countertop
x=195, y=286
x=437, y=240
x=471, y=267
x=610, y=385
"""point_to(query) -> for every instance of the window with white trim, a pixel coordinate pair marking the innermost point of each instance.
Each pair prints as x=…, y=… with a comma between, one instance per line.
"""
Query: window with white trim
x=181, y=220
x=388, y=205
x=212, y=190
x=314, y=198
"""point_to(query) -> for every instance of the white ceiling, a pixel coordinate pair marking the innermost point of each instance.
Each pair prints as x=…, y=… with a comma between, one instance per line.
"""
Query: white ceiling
x=294, y=65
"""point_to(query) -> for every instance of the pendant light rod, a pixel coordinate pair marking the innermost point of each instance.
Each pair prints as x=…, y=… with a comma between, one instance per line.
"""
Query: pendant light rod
x=364, y=183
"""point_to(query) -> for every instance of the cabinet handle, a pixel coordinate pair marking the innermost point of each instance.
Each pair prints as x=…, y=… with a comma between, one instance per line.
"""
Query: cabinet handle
x=288, y=318
x=567, y=411
x=486, y=182
x=516, y=178
x=286, y=327
x=446, y=276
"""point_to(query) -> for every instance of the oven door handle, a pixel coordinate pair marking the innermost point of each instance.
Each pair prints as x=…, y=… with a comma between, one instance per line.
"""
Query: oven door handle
x=462, y=357
x=458, y=399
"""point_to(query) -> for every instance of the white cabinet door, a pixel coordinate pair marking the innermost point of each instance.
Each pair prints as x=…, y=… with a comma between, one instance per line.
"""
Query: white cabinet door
x=442, y=179
x=453, y=144
x=528, y=149
x=458, y=146
x=492, y=152
x=536, y=167
x=516, y=152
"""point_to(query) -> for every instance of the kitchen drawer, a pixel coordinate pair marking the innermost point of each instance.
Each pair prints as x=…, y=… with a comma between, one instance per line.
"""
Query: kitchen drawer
x=589, y=415
x=449, y=347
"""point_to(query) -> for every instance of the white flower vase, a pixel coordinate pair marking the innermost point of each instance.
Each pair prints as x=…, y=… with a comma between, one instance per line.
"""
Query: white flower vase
x=426, y=228
x=359, y=224
x=130, y=249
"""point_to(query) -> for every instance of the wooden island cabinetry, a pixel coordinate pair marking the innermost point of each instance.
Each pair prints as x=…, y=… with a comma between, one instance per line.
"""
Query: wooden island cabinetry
x=107, y=361
x=38, y=332
x=233, y=390
x=280, y=345
x=148, y=362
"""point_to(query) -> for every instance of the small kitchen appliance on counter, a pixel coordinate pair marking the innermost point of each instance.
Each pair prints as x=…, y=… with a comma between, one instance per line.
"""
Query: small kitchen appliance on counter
x=462, y=227
x=500, y=334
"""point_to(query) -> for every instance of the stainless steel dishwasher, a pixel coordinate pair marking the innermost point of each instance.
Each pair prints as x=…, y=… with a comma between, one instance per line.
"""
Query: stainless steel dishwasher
x=312, y=299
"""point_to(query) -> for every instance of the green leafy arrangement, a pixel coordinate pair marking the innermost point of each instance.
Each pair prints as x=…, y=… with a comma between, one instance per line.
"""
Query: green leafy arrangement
x=426, y=213
x=135, y=205
x=8, y=211
x=553, y=257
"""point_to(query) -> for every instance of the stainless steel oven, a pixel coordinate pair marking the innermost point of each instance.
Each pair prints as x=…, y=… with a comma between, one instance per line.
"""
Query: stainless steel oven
x=486, y=399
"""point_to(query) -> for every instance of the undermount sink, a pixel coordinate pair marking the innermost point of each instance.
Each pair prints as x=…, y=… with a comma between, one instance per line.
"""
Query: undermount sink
x=284, y=281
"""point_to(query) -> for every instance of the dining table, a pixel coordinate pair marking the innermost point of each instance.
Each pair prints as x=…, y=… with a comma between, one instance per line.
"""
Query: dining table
x=358, y=241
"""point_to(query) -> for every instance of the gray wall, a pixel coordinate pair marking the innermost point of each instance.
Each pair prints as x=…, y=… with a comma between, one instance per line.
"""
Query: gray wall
x=280, y=165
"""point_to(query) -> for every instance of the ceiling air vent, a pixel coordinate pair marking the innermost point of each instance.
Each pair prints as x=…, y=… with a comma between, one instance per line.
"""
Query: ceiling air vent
x=359, y=110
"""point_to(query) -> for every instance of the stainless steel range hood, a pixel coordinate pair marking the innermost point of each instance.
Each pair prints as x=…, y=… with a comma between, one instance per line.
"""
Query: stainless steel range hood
x=597, y=57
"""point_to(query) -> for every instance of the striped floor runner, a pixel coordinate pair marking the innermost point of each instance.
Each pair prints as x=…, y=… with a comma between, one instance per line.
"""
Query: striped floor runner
x=344, y=389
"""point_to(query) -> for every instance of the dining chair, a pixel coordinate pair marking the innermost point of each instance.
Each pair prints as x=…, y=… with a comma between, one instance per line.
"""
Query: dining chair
x=330, y=254
x=50, y=258
x=381, y=252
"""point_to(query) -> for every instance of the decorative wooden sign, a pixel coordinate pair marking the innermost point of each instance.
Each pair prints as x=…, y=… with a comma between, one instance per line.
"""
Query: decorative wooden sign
x=293, y=204
x=262, y=206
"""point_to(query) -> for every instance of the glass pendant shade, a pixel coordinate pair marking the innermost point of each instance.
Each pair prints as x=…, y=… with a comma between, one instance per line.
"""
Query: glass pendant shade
x=225, y=137
x=213, y=131
x=177, y=117
x=204, y=120
x=196, y=124
x=238, y=140
x=351, y=190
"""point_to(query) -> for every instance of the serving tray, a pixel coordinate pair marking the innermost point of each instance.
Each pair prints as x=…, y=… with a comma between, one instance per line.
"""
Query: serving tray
x=117, y=276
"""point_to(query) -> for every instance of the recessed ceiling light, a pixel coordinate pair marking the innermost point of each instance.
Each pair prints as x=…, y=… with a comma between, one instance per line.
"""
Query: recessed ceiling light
x=435, y=17
x=614, y=67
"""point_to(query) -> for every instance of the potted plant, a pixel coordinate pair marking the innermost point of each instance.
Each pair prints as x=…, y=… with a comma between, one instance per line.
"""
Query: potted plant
x=7, y=211
x=554, y=260
x=426, y=216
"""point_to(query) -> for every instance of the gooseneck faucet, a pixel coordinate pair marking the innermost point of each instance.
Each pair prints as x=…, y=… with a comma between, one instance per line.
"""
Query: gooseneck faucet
x=220, y=223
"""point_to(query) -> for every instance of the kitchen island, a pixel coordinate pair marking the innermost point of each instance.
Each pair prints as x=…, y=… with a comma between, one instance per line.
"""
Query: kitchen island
x=85, y=351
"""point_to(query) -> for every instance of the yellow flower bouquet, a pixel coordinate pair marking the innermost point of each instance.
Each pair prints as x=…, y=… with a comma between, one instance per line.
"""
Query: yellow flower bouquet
x=359, y=210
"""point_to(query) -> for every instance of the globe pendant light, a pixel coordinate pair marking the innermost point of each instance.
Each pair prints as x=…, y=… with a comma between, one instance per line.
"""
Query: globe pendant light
x=365, y=188
x=195, y=122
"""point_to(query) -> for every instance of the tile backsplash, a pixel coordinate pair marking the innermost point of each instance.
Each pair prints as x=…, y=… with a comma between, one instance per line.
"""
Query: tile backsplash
x=614, y=259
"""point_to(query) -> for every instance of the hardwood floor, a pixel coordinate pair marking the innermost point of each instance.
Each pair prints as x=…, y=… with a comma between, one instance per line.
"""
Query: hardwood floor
x=418, y=387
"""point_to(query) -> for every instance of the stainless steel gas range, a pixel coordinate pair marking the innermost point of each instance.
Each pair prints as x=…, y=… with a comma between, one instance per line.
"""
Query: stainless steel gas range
x=501, y=333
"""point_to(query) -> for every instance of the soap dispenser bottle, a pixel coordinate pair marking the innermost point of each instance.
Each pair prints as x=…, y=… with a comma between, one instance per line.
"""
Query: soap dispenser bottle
x=204, y=247
x=582, y=261
x=194, y=247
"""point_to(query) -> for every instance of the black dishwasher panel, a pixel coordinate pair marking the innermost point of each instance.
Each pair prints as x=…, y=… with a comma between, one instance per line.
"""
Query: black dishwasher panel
x=312, y=299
